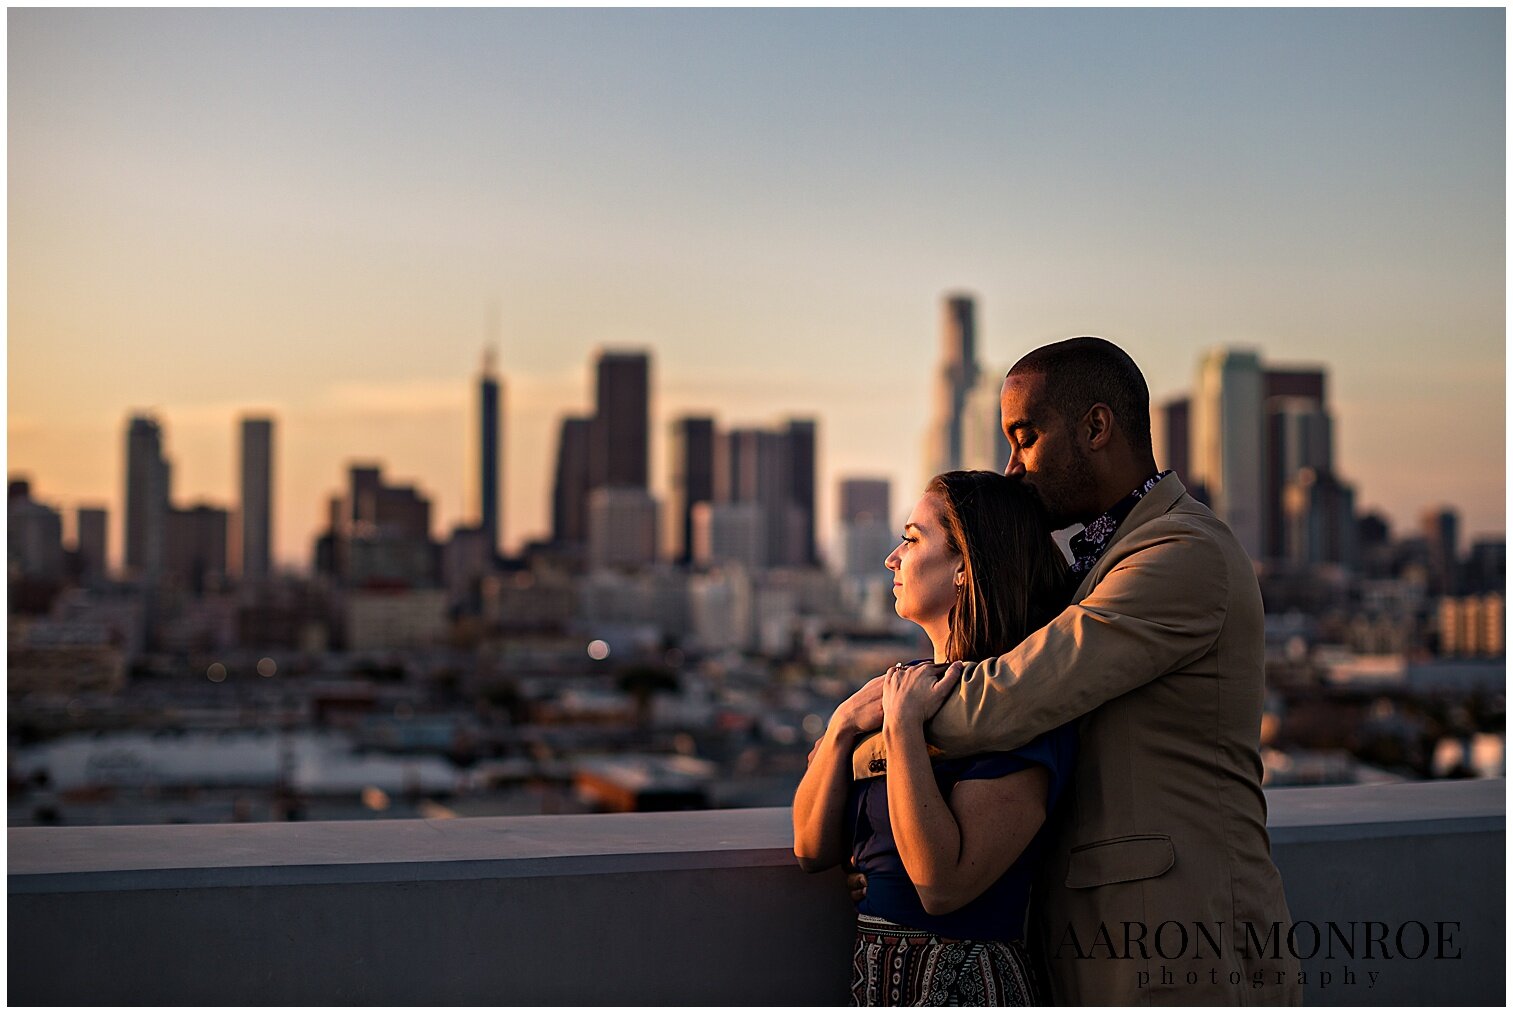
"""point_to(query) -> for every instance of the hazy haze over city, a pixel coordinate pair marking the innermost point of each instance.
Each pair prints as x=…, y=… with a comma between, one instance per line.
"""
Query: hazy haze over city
x=314, y=213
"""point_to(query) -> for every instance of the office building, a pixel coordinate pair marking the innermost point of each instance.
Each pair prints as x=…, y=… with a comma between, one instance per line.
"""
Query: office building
x=256, y=515
x=983, y=445
x=147, y=492
x=1228, y=442
x=955, y=378
x=571, y=485
x=1441, y=530
x=692, y=453
x=729, y=533
x=195, y=557
x=773, y=469
x=465, y=561
x=1472, y=626
x=34, y=536
x=1298, y=435
x=867, y=529
x=91, y=542
x=801, y=488
x=863, y=500
x=380, y=535
x=1486, y=567
x=1319, y=514
x=1173, y=447
x=490, y=440
x=619, y=448
x=622, y=527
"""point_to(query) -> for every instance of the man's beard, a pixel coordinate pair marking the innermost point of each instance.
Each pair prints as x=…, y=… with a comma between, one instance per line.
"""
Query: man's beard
x=1066, y=495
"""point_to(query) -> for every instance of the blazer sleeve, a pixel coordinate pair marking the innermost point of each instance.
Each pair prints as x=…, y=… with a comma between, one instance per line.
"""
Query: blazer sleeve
x=1160, y=606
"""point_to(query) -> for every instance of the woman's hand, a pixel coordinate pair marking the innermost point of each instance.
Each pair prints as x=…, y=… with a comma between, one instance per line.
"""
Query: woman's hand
x=912, y=696
x=862, y=711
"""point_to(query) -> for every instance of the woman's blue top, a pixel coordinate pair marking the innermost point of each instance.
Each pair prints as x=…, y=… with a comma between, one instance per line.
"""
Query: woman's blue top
x=999, y=912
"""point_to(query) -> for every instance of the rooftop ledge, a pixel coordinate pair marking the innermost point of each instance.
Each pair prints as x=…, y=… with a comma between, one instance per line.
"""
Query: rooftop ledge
x=136, y=914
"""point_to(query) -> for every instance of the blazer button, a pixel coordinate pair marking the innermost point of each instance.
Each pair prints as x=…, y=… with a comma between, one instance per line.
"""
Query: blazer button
x=877, y=765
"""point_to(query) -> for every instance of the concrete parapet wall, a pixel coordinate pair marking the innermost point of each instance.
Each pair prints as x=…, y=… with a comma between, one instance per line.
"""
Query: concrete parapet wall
x=636, y=908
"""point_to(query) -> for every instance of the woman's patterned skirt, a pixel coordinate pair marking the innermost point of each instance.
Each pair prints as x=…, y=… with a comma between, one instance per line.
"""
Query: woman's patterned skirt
x=896, y=966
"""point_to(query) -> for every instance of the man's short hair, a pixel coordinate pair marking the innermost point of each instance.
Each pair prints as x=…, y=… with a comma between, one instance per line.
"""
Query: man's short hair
x=1080, y=372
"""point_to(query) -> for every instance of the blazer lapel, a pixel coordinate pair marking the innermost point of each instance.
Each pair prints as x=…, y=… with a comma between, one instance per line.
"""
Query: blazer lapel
x=1162, y=498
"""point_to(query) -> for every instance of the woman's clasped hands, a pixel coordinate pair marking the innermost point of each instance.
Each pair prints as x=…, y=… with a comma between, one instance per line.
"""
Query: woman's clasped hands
x=911, y=695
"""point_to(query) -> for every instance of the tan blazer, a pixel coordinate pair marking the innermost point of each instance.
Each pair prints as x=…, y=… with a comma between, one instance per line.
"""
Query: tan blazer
x=1161, y=658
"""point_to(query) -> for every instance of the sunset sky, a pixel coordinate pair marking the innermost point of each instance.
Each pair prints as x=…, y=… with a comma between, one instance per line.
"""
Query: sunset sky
x=313, y=213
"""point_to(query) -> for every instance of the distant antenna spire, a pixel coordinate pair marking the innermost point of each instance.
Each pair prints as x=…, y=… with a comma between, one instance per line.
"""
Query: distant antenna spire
x=491, y=351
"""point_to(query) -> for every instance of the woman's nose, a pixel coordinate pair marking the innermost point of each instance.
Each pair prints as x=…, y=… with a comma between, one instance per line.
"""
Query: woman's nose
x=892, y=561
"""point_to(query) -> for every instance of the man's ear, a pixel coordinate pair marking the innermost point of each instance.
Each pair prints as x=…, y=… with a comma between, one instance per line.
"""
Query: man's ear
x=1098, y=426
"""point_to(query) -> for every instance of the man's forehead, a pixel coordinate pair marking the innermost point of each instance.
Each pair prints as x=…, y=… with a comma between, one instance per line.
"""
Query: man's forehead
x=1021, y=399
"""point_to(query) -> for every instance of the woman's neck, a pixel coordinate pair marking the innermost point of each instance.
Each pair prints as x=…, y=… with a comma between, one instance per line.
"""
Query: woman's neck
x=940, y=636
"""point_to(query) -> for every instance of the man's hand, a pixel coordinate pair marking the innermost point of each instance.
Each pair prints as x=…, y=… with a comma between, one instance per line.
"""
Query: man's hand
x=856, y=882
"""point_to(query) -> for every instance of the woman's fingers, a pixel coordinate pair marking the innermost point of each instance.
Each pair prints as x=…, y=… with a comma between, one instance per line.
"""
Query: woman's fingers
x=947, y=682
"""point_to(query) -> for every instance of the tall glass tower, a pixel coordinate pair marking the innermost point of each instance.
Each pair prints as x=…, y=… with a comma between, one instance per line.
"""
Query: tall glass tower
x=488, y=452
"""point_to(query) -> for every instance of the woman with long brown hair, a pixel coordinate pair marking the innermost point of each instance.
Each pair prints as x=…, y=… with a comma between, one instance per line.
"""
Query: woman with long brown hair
x=949, y=847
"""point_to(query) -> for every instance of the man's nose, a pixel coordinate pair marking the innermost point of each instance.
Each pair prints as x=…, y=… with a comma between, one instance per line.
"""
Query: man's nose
x=1015, y=467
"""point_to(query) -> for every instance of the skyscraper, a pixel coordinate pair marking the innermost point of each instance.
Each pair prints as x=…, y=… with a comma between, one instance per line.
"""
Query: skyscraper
x=692, y=483
x=1176, y=443
x=865, y=500
x=488, y=453
x=571, y=485
x=867, y=534
x=1259, y=448
x=775, y=470
x=1318, y=515
x=1486, y=567
x=380, y=534
x=983, y=444
x=1298, y=435
x=1441, y=531
x=147, y=485
x=622, y=527
x=195, y=556
x=90, y=542
x=34, y=537
x=1228, y=442
x=255, y=519
x=801, y=469
x=729, y=533
x=753, y=470
x=619, y=448
x=954, y=380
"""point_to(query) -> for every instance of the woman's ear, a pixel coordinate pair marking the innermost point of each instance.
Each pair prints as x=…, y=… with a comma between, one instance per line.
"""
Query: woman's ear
x=961, y=575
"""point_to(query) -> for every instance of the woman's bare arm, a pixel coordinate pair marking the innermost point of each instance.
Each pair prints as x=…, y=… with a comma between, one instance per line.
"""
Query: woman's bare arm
x=819, y=805
x=952, y=852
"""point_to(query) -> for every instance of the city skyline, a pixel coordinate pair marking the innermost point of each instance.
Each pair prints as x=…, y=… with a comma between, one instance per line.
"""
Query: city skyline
x=211, y=229
x=1312, y=415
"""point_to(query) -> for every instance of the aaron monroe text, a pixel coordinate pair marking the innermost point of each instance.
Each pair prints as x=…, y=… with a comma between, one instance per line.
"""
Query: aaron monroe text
x=1174, y=941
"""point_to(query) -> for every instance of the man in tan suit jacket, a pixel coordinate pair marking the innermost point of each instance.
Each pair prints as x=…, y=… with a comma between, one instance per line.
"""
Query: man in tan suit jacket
x=1159, y=886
